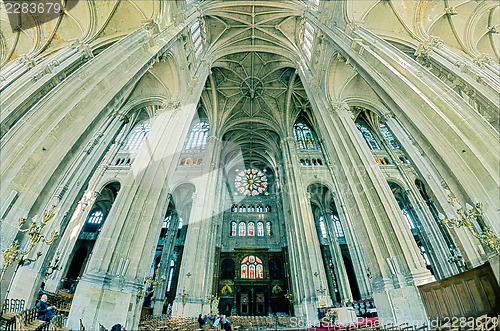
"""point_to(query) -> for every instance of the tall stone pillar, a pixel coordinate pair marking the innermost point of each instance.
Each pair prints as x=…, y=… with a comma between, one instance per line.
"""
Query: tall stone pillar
x=123, y=254
x=339, y=267
x=467, y=244
x=306, y=263
x=197, y=268
x=393, y=258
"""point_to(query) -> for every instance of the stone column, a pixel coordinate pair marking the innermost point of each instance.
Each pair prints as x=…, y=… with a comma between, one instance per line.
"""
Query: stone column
x=123, y=254
x=339, y=267
x=306, y=262
x=467, y=244
x=461, y=144
x=28, y=279
x=197, y=268
x=395, y=264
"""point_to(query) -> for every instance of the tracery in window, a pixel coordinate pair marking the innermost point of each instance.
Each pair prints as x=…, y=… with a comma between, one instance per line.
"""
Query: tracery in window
x=368, y=136
x=96, y=217
x=233, y=229
x=308, y=39
x=170, y=275
x=322, y=227
x=196, y=35
x=408, y=218
x=260, y=229
x=251, y=267
x=242, y=228
x=251, y=229
x=250, y=182
x=304, y=137
x=197, y=139
x=137, y=136
x=388, y=135
x=268, y=228
x=338, y=226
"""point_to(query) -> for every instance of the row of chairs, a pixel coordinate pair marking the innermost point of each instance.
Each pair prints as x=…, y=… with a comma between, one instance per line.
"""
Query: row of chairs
x=27, y=321
x=170, y=323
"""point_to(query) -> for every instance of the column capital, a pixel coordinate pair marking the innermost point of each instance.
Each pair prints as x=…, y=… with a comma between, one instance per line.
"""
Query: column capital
x=340, y=108
x=169, y=105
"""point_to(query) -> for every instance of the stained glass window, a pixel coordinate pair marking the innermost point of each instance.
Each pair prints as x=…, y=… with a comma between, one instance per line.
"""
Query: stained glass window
x=304, y=137
x=198, y=136
x=196, y=30
x=96, y=217
x=338, y=226
x=308, y=39
x=259, y=209
x=233, y=229
x=267, y=209
x=170, y=275
x=388, y=135
x=408, y=218
x=137, y=136
x=368, y=136
x=251, y=229
x=251, y=267
x=260, y=229
x=242, y=229
x=322, y=227
x=268, y=228
x=251, y=182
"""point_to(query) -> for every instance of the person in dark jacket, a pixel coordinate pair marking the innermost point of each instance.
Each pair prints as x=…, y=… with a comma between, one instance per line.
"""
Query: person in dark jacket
x=201, y=321
x=44, y=312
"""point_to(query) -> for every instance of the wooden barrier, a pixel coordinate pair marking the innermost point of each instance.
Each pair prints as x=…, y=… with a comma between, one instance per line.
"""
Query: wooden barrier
x=469, y=294
x=27, y=321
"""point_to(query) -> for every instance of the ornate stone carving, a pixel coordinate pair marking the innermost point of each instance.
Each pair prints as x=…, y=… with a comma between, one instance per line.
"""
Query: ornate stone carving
x=483, y=60
x=340, y=108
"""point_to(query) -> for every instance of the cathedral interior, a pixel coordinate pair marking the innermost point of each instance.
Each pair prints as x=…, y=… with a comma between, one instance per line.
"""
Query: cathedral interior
x=251, y=157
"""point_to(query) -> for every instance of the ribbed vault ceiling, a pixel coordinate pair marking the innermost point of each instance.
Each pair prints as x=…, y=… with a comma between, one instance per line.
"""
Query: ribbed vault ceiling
x=470, y=26
x=253, y=100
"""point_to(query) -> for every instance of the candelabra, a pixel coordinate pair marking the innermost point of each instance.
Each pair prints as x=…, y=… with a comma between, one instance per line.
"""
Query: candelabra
x=51, y=268
x=211, y=299
x=150, y=281
x=183, y=295
x=13, y=253
x=468, y=216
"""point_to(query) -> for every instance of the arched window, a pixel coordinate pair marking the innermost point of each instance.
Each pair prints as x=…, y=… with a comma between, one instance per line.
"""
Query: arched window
x=308, y=39
x=338, y=226
x=304, y=138
x=322, y=227
x=234, y=209
x=388, y=135
x=259, y=209
x=233, y=229
x=94, y=221
x=137, y=136
x=166, y=225
x=96, y=217
x=251, y=267
x=408, y=218
x=170, y=275
x=268, y=228
x=251, y=209
x=198, y=136
x=242, y=229
x=368, y=136
x=267, y=209
x=260, y=229
x=251, y=229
